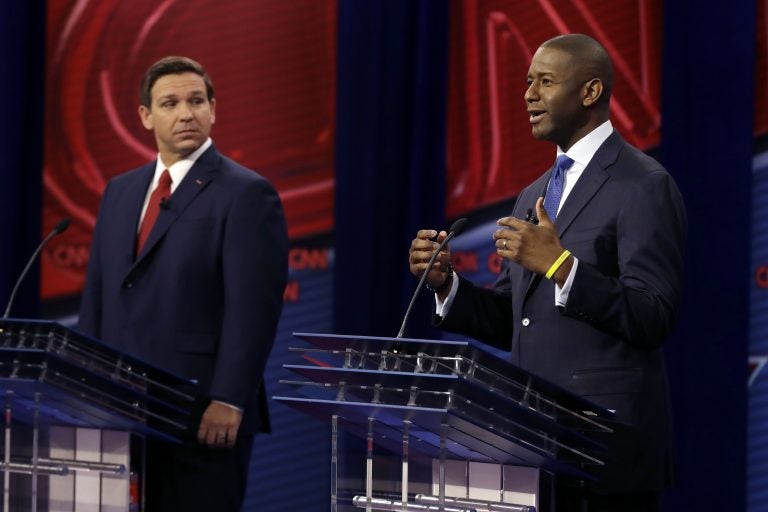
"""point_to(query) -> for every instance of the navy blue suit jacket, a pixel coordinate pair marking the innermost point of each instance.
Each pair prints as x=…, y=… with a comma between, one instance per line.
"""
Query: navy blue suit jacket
x=203, y=298
x=625, y=221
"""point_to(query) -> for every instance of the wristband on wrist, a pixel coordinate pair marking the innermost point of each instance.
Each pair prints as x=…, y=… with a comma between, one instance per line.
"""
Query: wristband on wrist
x=556, y=265
x=446, y=283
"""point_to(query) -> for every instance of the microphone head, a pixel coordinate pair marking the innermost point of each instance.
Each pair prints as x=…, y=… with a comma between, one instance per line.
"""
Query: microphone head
x=62, y=226
x=458, y=227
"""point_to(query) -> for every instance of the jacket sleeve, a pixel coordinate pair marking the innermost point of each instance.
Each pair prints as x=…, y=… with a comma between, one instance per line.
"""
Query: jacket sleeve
x=254, y=267
x=639, y=304
x=89, y=318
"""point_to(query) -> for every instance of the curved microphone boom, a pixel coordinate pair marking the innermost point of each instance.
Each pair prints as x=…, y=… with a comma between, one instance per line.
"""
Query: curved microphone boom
x=61, y=227
x=455, y=230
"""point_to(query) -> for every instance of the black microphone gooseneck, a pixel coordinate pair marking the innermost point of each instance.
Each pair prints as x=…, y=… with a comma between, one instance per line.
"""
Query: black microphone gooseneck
x=456, y=229
x=61, y=227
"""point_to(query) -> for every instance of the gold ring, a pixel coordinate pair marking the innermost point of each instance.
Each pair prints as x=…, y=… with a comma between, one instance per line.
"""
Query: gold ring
x=504, y=245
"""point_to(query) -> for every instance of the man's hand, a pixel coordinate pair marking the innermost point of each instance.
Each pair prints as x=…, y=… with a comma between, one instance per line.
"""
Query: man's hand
x=219, y=425
x=535, y=247
x=422, y=247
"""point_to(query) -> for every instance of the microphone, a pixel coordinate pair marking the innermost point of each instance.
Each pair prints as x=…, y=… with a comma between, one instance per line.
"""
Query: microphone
x=61, y=227
x=456, y=229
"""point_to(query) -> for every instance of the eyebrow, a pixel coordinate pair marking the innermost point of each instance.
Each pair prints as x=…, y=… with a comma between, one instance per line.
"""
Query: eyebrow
x=542, y=73
x=173, y=96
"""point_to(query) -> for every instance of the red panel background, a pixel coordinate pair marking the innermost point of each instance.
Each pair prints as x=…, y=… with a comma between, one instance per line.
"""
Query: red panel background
x=491, y=153
x=761, y=69
x=272, y=64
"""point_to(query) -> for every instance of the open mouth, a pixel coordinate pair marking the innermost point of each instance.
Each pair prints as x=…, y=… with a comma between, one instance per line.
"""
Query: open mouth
x=534, y=116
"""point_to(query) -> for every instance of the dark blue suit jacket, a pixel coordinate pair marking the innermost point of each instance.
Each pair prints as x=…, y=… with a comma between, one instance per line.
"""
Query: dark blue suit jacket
x=203, y=298
x=625, y=221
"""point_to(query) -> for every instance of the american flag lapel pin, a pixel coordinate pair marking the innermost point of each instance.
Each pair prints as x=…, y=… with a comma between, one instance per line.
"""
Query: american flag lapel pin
x=199, y=182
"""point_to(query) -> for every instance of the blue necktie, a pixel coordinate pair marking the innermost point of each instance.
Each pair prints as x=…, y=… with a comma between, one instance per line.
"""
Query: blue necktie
x=555, y=188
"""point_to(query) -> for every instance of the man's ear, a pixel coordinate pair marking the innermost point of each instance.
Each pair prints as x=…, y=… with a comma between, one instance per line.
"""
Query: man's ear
x=145, y=114
x=592, y=91
x=213, y=110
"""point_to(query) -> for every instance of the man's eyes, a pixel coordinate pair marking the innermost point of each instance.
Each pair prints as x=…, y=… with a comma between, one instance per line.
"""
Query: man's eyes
x=193, y=101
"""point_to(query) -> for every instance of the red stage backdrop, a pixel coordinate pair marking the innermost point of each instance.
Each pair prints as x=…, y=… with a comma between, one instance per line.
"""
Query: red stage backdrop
x=491, y=154
x=273, y=65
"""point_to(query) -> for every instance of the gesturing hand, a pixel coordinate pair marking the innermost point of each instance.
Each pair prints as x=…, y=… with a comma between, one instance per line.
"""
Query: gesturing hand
x=422, y=247
x=535, y=247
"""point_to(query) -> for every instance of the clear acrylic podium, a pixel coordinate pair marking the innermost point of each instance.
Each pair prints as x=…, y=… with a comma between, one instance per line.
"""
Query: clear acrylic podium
x=445, y=425
x=72, y=407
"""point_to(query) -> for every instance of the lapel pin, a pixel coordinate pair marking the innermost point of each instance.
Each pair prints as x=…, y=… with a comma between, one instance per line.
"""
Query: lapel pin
x=199, y=182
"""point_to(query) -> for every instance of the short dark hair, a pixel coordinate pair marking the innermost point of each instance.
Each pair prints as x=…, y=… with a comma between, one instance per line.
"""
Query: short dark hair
x=171, y=65
x=589, y=54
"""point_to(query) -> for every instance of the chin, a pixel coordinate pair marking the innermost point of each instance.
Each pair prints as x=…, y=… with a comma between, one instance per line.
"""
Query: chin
x=190, y=144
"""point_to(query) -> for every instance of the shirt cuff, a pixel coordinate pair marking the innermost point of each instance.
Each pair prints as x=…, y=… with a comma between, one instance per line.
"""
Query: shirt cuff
x=240, y=409
x=442, y=307
x=561, y=294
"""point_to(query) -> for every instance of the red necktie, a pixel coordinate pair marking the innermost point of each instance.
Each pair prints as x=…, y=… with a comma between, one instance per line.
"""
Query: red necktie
x=161, y=193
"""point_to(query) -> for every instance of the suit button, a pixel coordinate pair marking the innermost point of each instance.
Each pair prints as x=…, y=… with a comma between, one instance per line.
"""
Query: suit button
x=129, y=284
x=526, y=322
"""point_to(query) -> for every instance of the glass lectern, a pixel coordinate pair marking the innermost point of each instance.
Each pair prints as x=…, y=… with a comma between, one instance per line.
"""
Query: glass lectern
x=444, y=425
x=72, y=407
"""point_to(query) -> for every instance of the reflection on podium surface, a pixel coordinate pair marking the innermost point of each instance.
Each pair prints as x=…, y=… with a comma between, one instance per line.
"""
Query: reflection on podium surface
x=76, y=413
x=441, y=425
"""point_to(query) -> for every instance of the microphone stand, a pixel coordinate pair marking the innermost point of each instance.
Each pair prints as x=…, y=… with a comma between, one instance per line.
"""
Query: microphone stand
x=456, y=229
x=60, y=228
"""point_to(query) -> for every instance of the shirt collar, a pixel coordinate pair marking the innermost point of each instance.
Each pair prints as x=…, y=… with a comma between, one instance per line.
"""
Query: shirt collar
x=586, y=147
x=180, y=169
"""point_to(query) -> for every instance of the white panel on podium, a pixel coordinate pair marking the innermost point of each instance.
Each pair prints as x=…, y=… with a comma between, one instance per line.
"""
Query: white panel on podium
x=61, y=490
x=521, y=485
x=116, y=449
x=456, y=478
x=87, y=485
x=484, y=481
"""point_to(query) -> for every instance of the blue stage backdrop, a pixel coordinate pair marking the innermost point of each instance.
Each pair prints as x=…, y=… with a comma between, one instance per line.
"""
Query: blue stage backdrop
x=757, y=458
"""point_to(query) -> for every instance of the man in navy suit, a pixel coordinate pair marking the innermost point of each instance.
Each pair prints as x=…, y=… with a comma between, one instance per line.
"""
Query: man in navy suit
x=587, y=295
x=187, y=271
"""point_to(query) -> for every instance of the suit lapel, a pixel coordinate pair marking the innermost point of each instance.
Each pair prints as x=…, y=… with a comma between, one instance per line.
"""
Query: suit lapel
x=198, y=177
x=590, y=182
x=131, y=203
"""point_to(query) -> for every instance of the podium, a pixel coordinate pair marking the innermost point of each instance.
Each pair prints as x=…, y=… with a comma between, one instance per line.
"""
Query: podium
x=82, y=402
x=460, y=429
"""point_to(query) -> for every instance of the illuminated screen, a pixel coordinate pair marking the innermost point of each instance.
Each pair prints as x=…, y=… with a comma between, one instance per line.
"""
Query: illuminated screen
x=273, y=67
x=491, y=153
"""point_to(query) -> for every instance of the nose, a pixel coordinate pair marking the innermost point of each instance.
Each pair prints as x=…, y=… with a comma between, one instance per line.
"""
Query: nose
x=184, y=111
x=531, y=93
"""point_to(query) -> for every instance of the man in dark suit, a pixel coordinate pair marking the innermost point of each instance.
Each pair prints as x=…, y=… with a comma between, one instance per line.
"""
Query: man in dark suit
x=187, y=271
x=587, y=296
